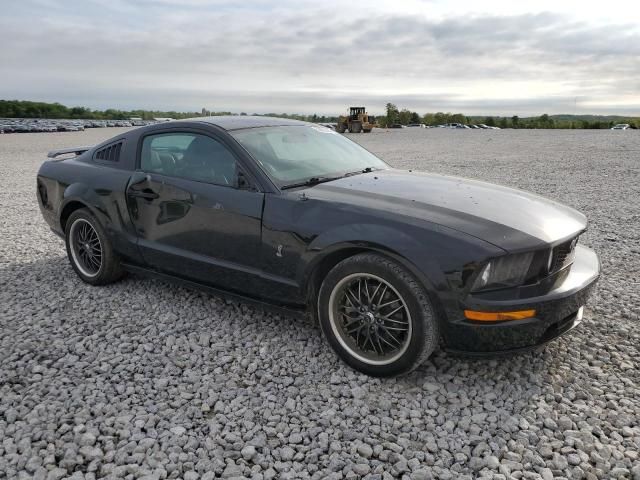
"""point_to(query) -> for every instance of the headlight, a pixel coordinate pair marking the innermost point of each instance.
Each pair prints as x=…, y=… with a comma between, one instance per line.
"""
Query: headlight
x=502, y=272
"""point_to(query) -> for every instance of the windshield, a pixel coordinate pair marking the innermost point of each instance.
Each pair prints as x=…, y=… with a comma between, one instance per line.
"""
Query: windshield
x=294, y=154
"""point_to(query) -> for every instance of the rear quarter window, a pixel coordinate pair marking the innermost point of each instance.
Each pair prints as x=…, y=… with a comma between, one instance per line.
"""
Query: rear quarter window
x=110, y=153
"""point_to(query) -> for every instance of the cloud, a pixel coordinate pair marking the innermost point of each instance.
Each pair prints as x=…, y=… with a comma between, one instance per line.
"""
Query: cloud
x=310, y=57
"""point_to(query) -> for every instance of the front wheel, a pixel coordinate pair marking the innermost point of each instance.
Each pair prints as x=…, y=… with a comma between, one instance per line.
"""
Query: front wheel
x=89, y=249
x=355, y=127
x=376, y=316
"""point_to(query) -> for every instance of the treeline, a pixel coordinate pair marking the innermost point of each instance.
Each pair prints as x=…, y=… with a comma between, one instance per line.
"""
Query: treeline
x=405, y=117
x=305, y=118
x=26, y=109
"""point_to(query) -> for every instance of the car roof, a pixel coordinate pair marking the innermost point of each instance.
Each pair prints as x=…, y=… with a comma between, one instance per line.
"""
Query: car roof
x=236, y=122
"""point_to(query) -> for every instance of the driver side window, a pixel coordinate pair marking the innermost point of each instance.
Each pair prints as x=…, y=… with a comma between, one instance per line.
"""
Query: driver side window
x=189, y=155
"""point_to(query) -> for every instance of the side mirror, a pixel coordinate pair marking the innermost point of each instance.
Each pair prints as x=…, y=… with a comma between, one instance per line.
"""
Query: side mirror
x=242, y=182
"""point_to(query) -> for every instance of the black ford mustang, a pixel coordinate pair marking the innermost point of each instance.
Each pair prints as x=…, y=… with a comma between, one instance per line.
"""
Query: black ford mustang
x=292, y=215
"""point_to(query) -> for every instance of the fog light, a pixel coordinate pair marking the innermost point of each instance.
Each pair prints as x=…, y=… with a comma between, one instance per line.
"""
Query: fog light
x=499, y=316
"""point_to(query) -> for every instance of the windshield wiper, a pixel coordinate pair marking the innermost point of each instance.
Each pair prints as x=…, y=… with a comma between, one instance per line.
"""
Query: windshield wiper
x=309, y=182
x=316, y=180
x=358, y=172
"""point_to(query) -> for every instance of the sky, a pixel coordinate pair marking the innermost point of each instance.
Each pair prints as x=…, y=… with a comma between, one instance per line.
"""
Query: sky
x=479, y=57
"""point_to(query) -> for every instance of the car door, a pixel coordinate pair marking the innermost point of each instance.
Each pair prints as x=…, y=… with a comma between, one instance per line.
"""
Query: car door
x=192, y=217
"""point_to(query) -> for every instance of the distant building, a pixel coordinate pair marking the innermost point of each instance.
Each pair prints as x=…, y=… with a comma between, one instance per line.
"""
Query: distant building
x=135, y=119
x=163, y=119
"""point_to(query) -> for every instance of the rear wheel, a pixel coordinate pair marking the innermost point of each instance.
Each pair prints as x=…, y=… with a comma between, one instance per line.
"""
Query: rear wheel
x=376, y=316
x=340, y=128
x=89, y=249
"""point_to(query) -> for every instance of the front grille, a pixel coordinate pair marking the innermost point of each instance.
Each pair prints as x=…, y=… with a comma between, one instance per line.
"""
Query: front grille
x=563, y=255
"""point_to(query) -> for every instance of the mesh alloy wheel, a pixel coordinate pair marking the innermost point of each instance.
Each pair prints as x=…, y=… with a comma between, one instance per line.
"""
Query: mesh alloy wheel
x=86, y=248
x=370, y=319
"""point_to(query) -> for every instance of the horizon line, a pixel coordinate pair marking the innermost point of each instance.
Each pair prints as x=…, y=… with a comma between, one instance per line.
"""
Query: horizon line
x=240, y=112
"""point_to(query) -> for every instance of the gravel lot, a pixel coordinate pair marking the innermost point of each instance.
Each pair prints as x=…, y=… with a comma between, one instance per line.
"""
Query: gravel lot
x=144, y=379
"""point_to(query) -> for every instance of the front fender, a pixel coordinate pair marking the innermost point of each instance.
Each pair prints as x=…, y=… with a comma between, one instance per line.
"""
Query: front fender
x=442, y=259
x=395, y=243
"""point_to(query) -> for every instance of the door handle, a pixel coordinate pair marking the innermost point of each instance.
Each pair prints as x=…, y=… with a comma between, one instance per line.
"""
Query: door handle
x=136, y=187
x=147, y=194
x=139, y=177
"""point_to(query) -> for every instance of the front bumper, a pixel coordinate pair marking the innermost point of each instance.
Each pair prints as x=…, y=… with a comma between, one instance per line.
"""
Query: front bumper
x=557, y=312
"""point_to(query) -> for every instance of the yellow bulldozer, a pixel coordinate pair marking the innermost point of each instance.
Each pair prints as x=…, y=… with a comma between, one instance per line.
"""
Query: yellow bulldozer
x=357, y=121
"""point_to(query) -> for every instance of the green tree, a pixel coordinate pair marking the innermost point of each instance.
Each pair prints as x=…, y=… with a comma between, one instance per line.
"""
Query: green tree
x=440, y=118
x=457, y=118
x=544, y=120
x=392, y=113
x=515, y=121
x=429, y=119
x=490, y=122
x=404, y=117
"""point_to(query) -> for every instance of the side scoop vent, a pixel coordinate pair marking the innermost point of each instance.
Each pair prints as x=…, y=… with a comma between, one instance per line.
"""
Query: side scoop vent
x=110, y=153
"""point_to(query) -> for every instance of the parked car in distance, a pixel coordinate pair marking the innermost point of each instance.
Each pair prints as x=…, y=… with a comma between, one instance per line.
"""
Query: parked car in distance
x=397, y=125
x=37, y=125
x=453, y=125
x=296, y=217
x=418, y=125
x=620, y=126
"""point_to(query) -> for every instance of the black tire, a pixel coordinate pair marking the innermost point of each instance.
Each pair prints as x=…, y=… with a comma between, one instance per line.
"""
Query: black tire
x=419, y=338
x=356, y=127
x=341, y=128
x=94, y=268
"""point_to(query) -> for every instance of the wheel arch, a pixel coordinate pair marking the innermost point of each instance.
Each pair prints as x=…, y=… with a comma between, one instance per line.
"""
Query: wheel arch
x=69, y=207
x=322, y=265
x=80, y=195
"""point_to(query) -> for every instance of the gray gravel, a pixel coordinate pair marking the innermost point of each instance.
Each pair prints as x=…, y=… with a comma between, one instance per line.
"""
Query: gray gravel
x=146, y=380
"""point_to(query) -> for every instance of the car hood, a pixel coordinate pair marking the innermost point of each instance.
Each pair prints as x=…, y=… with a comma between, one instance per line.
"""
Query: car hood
x=506, y=217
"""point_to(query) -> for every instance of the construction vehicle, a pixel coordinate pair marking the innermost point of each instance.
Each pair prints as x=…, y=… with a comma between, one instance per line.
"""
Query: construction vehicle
x=357, y=121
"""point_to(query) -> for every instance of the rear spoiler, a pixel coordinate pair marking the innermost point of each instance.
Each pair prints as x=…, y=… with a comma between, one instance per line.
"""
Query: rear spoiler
x=63, y=151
